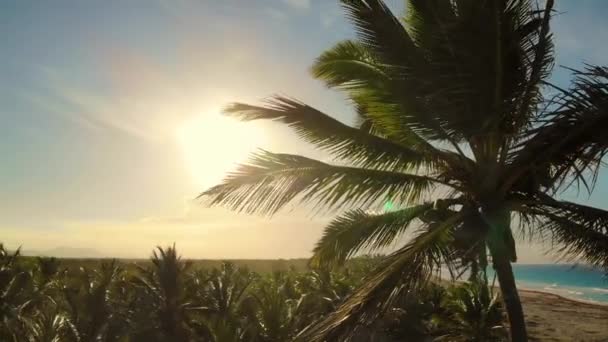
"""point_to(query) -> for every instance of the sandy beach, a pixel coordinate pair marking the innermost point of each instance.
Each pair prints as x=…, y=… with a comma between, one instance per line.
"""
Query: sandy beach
x=554, y=318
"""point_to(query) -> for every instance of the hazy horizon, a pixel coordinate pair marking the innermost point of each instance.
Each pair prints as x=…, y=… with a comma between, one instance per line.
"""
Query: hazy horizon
x=112, y=125
x=66, y=252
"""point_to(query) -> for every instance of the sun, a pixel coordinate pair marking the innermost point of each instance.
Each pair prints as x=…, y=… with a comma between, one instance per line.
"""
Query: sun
x=213, y=144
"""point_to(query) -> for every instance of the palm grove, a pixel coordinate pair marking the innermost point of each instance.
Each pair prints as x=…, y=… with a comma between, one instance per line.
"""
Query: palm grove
x=168, y=299
x=459, y=127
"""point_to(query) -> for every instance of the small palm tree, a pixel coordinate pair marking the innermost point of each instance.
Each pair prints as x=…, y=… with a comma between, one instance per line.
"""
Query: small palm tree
x=275, y=313
x=472, y=313
x=221, y=296
x=46, y=269
x=46, y=281
x=321, y=291
x=88, y=308
x=166, y=293
x=455, y=132
x=15, y=294
x=163, y=287
x=48, y=325
x=413, y=316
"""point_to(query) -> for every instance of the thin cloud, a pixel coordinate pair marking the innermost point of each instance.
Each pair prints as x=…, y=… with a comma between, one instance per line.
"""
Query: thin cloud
x=329, y=17
x=84, y=104
x=276, y=13
x=298, y=4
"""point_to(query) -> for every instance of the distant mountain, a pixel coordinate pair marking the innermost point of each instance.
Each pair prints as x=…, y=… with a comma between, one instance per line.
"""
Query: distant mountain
x=66, y=252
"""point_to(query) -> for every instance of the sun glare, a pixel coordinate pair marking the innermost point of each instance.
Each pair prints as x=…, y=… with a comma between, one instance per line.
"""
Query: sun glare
x=213, y=145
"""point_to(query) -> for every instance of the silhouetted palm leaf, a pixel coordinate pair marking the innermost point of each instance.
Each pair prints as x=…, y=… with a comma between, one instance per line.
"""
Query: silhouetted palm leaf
x=404, y=270
x=357, y=230
x=343, y=141
x=271, y=181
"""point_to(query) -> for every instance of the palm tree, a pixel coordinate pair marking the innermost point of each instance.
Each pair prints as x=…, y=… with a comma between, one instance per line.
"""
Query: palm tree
x=321, y=291
x=163, y=286
x=221, y=295
x=472, y=313
x=47, y=326
x=412, y=316
x=88, y=307
x=15, y=281
x=452, y=104
x=274, y=309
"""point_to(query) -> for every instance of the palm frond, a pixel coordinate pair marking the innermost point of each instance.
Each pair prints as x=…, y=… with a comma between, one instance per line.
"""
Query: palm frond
x=484, y=63
x=349, y=65
x=380, y=31
x=352, y=67
x=400, y=103
x=458, y=69
x=575, y=241
x=401, y=272
x=576, y=231
x=327, y=133
x=539, y=57
x=571, y=139
x=356, y=230
x=272, y=180
x=590, y=217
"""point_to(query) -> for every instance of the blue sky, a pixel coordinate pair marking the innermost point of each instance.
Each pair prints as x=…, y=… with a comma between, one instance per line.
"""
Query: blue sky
x=110, y=116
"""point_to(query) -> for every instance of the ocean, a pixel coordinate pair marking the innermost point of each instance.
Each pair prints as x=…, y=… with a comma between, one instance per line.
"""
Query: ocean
x=571, y=281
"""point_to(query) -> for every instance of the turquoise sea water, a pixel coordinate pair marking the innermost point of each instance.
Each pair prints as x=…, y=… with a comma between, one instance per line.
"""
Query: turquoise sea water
x=572, y=281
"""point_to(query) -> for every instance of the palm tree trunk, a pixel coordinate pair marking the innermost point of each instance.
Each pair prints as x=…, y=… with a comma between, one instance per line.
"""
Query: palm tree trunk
x=515, y=313
x=502, y=250
x=483, y=265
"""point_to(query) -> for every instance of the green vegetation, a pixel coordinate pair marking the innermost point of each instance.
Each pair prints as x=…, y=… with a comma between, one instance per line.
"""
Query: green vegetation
x=459, y=130
x=168, y=299
x=255, y=265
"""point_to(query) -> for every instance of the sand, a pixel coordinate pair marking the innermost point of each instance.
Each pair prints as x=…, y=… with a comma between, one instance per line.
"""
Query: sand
x=554, y=318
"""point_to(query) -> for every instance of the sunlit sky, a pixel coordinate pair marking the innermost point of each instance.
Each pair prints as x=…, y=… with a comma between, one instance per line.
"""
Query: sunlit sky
x=110, y=121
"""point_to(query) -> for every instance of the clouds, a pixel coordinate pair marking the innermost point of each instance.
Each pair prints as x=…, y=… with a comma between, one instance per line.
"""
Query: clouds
x=276, y=14
x=290, y=8
x=133, y=97
x=298, y=4
x=146, y=87
x=330, y=16
x=137, y=95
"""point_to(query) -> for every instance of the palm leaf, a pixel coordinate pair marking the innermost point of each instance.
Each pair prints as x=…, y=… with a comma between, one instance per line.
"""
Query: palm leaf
x=485, y=59
x=576, y=231
x=401, y=272
x=590, y=217
x=327, y=133
x=352, y=67
x=271, y=181
x=400, y=101
x=571, y=139
x=380, y=31
x=573, y=240
x=357, y=230
x=539, y=57
x=349, y=65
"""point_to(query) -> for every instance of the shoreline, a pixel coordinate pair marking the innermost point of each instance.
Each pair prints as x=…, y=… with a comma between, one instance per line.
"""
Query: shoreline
x=525, y=287
x=562, y=297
